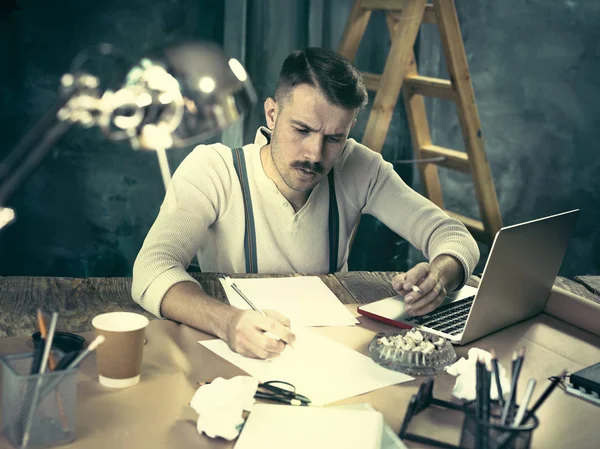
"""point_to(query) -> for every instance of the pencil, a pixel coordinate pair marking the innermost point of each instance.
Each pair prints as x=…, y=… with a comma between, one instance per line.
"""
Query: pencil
x=524, y=403
x=513, y=386
x=487, y=383
x=497, y=378
x=479, y=386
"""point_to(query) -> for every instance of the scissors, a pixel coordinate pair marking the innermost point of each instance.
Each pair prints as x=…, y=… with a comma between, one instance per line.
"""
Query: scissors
x=280, y=391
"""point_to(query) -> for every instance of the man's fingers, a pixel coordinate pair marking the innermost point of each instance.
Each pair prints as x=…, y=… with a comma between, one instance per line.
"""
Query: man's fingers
x=428, y=302
x=426, y=286
x=415, y=275
x=255, y=335
x=397, y=282
x=249, y=348
x=284, y=320
x=275, y=328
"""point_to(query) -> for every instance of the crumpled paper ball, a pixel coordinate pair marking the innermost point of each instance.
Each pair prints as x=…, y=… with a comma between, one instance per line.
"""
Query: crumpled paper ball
x=221, y=403
x=465, y=372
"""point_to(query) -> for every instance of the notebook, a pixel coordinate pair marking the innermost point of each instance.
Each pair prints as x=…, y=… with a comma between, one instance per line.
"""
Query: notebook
x=516, y=282
x=284, y=426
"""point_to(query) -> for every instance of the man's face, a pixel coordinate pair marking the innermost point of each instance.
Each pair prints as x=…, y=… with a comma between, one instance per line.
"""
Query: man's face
x=309, y=134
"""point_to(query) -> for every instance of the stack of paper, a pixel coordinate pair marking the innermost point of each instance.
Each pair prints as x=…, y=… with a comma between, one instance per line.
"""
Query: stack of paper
x=305, y=300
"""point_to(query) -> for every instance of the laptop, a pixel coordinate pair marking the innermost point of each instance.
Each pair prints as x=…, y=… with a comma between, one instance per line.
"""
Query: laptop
x=516, y=282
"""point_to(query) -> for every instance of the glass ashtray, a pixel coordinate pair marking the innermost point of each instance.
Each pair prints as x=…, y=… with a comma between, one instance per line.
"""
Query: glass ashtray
x=412, y=351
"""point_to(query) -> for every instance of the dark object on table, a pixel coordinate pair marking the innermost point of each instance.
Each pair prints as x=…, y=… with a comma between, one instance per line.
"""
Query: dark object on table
x=63, y=341
x=587, y=378
x=498, y=436
x=492, y=432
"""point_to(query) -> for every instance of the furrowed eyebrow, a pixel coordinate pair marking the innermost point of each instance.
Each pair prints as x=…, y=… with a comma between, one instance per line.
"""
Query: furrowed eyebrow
x=304, y=125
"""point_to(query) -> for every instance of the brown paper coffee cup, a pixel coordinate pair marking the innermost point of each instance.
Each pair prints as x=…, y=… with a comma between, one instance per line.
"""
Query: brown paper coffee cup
x=119, y=358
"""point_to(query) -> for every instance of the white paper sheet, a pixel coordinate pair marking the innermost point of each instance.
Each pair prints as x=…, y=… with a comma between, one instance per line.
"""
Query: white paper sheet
x=322, y=369
x=305, y=300
x=279, y=426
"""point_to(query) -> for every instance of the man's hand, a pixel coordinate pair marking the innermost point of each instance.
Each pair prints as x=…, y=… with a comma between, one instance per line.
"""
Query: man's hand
x=245, y=331
x=433, y=280
x=247, y=334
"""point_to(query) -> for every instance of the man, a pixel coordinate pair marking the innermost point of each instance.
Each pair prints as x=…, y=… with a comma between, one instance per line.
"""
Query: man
x=291, y=197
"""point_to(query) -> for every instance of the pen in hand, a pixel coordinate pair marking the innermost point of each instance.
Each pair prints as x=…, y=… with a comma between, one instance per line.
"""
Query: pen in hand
x=232, y=284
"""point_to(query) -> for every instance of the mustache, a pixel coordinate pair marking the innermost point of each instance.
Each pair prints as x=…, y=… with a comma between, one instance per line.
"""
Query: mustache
x=309, y=166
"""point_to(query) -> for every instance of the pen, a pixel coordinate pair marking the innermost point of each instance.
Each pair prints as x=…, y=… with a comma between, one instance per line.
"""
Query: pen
x=83, y=354
x=232, y=284
x=66, y=360
x=80, y=357
x=52, y=365
x=244, y=297
x=544, y=396
x=44, y=334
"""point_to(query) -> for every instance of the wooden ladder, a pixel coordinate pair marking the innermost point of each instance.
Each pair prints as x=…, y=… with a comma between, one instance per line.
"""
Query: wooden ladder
x=404, y=18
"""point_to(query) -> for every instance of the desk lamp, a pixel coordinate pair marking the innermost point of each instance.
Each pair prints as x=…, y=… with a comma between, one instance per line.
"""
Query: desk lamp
x=174, y=96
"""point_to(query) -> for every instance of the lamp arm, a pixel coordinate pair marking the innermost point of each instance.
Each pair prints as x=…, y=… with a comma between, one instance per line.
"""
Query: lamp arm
x=33, y=147
x=31, y=160
x=34, y=134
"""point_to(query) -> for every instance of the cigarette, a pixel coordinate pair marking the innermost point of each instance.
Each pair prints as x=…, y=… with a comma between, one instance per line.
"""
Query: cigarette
x=416, y=289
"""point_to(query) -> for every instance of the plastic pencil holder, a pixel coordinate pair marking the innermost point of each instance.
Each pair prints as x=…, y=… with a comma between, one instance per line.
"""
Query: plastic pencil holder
x=484, y=434
x=50, y=420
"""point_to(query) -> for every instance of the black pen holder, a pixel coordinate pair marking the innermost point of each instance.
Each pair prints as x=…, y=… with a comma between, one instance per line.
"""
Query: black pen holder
x=491, y=434
x=475, y=433
x=43, y=407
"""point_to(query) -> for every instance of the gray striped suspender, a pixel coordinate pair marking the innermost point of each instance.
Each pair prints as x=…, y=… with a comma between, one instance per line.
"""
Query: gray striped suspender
x=250, y=233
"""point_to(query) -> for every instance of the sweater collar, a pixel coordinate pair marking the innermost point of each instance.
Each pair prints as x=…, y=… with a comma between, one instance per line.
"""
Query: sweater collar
x=263, y=136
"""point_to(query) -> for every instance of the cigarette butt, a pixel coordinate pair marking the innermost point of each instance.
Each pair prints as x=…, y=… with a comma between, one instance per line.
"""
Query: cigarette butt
x=416, y=289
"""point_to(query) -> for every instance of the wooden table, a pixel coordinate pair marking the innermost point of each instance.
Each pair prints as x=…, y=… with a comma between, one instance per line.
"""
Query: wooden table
x=155, y=413
x=78, y=300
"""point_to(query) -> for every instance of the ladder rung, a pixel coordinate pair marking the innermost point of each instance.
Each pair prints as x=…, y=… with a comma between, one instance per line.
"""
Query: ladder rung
x=455, y=160
x=372, y=81
x=430, y=87
x=422, y=85
x=475, y=227
x=396, y=6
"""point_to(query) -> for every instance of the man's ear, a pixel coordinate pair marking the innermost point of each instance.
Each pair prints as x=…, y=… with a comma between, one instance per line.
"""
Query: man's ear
x=270, y=112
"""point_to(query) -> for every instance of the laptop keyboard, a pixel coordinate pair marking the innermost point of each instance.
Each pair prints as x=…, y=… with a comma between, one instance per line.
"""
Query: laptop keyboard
x=450, y=319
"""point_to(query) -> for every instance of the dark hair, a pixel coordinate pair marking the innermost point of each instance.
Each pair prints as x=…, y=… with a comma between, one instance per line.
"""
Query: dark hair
x=334, y=75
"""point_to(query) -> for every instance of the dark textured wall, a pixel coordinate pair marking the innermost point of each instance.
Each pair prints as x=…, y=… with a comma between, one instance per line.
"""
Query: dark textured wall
x=534, y=65
x=535, y=68
x=87, y=208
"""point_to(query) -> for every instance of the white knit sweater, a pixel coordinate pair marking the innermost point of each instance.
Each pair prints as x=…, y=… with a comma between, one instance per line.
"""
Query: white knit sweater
x=203, y=214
